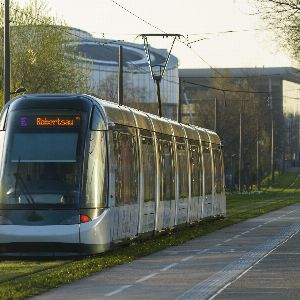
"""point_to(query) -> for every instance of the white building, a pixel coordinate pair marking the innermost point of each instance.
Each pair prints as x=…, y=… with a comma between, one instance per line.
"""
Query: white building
x=139, y=87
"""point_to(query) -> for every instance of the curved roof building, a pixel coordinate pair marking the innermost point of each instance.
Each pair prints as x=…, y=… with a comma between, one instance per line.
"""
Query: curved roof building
x=139, y=87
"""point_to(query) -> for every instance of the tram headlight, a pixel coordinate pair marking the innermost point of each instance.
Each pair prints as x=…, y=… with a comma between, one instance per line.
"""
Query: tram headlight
x=5, y=221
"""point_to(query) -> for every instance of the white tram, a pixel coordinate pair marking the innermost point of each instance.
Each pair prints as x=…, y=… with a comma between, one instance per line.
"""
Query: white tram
x=79, y=173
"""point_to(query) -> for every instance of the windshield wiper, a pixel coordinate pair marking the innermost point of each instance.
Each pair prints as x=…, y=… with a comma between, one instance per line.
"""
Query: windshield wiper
x=24, y=188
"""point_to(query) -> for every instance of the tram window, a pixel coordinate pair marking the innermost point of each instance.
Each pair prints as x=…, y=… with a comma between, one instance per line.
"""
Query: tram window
x=148, y=161
x=96, y=190
x=124, y=166
x=183, y=181
x=217, y=153
x=167, y=170
x=207, y=168
x=38, y=165
x=146, y=133
x=195, y=159
x=44, y=147
x=97, y=120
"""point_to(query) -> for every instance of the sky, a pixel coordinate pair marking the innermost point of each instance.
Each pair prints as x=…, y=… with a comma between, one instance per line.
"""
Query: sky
x=195, y=19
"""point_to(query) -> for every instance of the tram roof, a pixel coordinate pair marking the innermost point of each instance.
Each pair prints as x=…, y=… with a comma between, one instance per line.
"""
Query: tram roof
x=214, y=138
x=129, y=117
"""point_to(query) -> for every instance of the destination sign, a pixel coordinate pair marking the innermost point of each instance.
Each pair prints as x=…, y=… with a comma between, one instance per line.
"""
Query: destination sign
x=49, y=121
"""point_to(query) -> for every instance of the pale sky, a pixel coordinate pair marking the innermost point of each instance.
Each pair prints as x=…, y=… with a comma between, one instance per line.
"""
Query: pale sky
x=195, y=18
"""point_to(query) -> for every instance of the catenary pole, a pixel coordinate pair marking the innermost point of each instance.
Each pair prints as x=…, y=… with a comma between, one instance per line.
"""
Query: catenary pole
x=240, y=152
x=157, y=81
x=257, y=154
x=216, y=114
x=179, y=111
x=272, y=131
x=120, y=85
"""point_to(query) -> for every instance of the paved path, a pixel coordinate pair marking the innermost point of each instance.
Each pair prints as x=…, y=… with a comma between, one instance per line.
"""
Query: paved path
x=255, y=259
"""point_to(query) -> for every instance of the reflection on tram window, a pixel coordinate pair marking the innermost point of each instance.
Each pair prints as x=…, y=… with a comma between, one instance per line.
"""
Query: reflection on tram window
x=217, y=153
x=207, y=168
x=148, y=161
x=183, y=181
x=97, y=121
x=96, y=192
x=51, y=147
x=41, y=169
x=46, y=183
x=196, y=182
x=124, y=166
x=167, y=182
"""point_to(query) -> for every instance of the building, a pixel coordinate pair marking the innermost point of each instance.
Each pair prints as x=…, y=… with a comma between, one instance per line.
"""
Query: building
x=267, y=115
x=102, y=56
x=277, y=94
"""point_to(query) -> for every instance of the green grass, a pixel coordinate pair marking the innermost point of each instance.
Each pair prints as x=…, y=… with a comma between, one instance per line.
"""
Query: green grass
x=21, y=278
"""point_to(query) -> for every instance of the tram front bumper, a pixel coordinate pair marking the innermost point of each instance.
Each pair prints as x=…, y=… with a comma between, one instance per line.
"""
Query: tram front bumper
x=49, y=239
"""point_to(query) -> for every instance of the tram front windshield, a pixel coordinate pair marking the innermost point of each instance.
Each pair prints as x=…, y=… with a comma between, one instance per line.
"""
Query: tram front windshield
x=42, y=161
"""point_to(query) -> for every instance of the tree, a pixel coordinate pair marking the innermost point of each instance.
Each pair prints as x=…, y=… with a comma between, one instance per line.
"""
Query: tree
x=284, y=17
x=134, y=96
x=44, y=58
x=255, y=120
x=107, y=88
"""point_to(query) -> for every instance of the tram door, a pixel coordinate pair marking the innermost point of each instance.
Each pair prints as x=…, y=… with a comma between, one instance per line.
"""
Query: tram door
x=207, y=161
x=166, y=203
x=196, y=181
x=148, y=171
x=183, y=181
x=124, y=182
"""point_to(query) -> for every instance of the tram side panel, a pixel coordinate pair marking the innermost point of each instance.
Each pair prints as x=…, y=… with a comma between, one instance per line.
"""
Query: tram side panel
x=94, y=204
x=208, y=198
x=183, y=181
x=196, y=181
x=125, y=212
x=124, y=207
x=166, y=203
x=147, y=182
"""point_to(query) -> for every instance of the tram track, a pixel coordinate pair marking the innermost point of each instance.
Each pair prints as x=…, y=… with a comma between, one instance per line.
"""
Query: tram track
x=258, y=207
x=11, y=279
x=69, y=262
x=46, y=277
x=43, y=269
x=274, y=200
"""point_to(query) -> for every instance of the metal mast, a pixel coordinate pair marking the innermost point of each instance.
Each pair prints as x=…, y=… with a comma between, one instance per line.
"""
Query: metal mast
x=158, y=74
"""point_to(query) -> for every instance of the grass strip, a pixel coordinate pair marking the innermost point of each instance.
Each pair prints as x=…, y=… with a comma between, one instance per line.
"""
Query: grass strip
x=240, y=208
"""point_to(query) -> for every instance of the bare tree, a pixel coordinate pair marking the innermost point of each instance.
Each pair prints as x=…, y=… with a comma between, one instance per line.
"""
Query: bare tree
x=255, y=112
x=133, y=96
x=283, y=16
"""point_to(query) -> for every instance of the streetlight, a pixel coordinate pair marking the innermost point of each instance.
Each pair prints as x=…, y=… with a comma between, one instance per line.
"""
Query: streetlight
x=232, y=172
x=240, y=151
x=272, y=130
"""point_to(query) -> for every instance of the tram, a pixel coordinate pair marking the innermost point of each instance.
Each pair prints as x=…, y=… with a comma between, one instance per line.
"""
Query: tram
x=79, y=174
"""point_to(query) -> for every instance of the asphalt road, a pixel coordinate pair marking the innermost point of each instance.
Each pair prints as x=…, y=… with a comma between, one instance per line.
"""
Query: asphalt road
x=255, y=259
